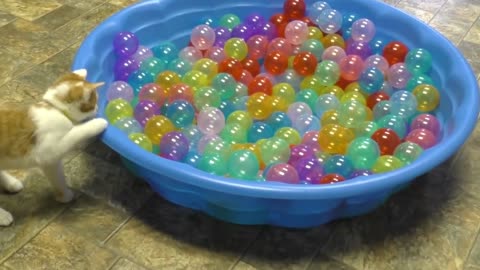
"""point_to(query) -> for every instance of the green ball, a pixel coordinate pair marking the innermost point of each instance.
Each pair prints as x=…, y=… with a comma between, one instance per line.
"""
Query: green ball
x=243, y=118
x=307, y=96
x=275, y=150
x=417, y=80
x=206, y=97
x=363, y=152
x=366, y=129
x=418, y=61
x=328, y=72
x=408, y=152
x=213, y=163
x=314, y=46
x=153, y=66
x=229, y=21
x=234, y=133
x=351, y=113
x=117, y=109
x=225, y=84
x=218, y=146
x=243, y=164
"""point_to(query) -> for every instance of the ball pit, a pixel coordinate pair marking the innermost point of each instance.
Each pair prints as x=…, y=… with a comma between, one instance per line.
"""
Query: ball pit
x=299, y=204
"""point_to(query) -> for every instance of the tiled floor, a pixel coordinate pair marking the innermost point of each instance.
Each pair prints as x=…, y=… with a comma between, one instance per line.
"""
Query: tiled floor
x=118, y=223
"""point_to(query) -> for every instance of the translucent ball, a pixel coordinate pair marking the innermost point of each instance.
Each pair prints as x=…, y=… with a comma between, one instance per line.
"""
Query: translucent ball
x=310, y=138
x=234, y=133
x=282, y=172
x=190, y=54
x=141, y=140
x=387, y=163
x=180, y=91
x=334, y=53
x=216, y=54
x=359, y=48
x=166, y=51
x=408, y=152
x=308, y=96
x=142, y=54
x=128, y=125
x=395, y=123
x=365, y=129
x=332, y=178
x=139, y=78
x=378, y=62
x=144, y=110
x=192, y=158
x=297, y=109
x=243, y=31
x=305, y=63
x=289, y=134
x=363, y=30
x=351, y=113
x=207, y=67
x=243, y=164
x=418, y=61
x=229, y=21
x=157, y=126
x=309, y=169
x=167, y=79
x=334, y=139
x=348, y=20
x=258, y=131
x=314, y=47
x=398, y=75
x=267, y=29
x=378, y=44
x=276, y=62
x=338, y=164
x=227, y=107
x=296, y=32
x=315, y=33
x=387, y=140
x=351, y=67
x=226, y=84
x=193, y=135
x=428, y=97
x=329, y=21
x=428, y=122
x=124, y=67
x=125, y=44
x=202, y=37
x=195, y=79
x=174, y=146
x=279, y=120
x=240, y=117
x=153, y=66
x=236, y=48
x=289, y=76
x=285, y=91
x=280, y=44
x=317, y=8
x=206, y=140
x=423, y=137
x=305, y=123
x=240, y=103
x=210, y=121
x=417, y=80
x=259, y=106
x=222, y=34
x=120, y=89
x=257, y=46
x=274, y=150
x=180, y=66
x=152, y=92
x=300, y=151
x=363, y=152
x=206, y=97
x=117, y=109
x=371, y=80
x=403, y=104
x=213, y=163
x=181, y=113
x=381, y=109
x=219, y=146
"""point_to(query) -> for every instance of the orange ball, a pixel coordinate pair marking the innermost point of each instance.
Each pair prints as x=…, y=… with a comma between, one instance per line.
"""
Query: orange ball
x=231, y=66
x=276, y=62
x=251, y=66
x=305, y=63
x=260, y=84
x=334, y=139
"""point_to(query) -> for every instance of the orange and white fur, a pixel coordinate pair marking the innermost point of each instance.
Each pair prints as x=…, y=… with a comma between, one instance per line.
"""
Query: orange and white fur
x=40, y=135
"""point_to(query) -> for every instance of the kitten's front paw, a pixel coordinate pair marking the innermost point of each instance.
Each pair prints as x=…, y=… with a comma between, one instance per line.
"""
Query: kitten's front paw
x=65, y=197
x=5, y=218
x=14, y=186
x=98, y=125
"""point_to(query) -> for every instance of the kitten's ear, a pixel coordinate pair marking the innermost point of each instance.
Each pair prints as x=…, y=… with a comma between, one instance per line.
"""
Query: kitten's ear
x=81, y=72
x=97, y=85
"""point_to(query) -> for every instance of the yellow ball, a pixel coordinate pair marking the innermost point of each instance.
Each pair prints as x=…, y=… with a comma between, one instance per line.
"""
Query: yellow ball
x=284, y=90
x=141, y=140
x=427, y=96
x=167, y=79
x=387, y=163
x=334, y=90
x=259, y=106
x=330, y=117
x=315, y=33
x=334, y=139
x=236, y=48
x=279, y=104
x=157, y=127
x=117, y=109
x=290, y=135
x=207, y=66
x=355, y=96
x=312, y=82
x=195, y=79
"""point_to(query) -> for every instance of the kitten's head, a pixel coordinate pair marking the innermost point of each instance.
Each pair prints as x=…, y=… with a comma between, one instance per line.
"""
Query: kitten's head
x=74, y=95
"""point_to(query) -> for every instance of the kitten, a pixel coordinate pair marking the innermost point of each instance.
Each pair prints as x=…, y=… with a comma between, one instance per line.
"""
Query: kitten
x=42, y=134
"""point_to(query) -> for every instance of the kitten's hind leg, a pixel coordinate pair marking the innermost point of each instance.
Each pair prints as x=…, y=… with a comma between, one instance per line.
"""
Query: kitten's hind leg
x=5, y=218
x=56, y=176
x=10, y=183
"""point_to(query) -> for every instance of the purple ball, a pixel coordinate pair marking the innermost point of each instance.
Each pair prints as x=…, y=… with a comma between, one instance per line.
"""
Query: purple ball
x=243, y=31
x=120, y=89
x=309, y=169
x=124, y=67
x=359, y=173
x=300, y=151
x=222, y=34
x=267, y=29
x=359, y=48
x=174, y=145
x=125, y=44
x=144, y=110
x=255, y=20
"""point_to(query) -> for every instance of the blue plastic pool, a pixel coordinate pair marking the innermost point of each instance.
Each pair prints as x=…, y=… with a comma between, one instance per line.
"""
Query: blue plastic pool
x=278, y=204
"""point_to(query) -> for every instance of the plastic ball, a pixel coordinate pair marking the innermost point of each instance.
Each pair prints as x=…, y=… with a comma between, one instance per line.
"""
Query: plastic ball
x=217, y=145
x=120, y=89
x=374, y=98
x=387, y=140
x=371, y=80
x=334, y=53
x=236, y=48
x=243, y=31
x=144, y=110
x=428, y=122
x=234, y=133
x=195, y=79
x=378, y=62
x=308, y=96
x=418, y=61
x=193, y=135
x=305, y=123
x=240, y=117
x=279, y=120
x=258, y=131
x=166, y=51
x=207, y=67
x=338, y=164
x=324, y=103
x=141, y=140
x=398, y=75
x=255, y=20
x=217, y=54
x=300, y=151
x=403, y=103
x=297, y=109
x=366, y=129
x=427, y=97
x=416, y=80
x=181, y=113
x=180, y=66
x=167, y=79
x=282, y=45
x=387, y=163
x=174, y=146
x=289, y=76
x=117, y=109
x=152, y=92
x=423, y=137
x=206, y=97
x=309, y=169
x=157, y=126
x=142, y=54
x=359, y=48
x=252, y=66
x=289, y=134
x=305, y=63
x=268, y=30
x=294, y=9
x=333, y=40
x=351, y=113
x=222, y=34
x=243, y=164
x=257, y=46
x=381, y=109
x=331, y=178
x=153, y=66
x=334, y=139
x=139, y=78
x=351, y=67
x=128, y=125
x=180, y=91
x=125, y=44
x=394, y=122
x=395, y=52
x=408, y=152
x=282, y=172
x=330, y=117
x=124, y=67
x=231, y=66
x=192, y=158
x=363, y=152
x=190, y=54
x=213, y=163
x=315, y=33
x=260, y=84
x=285, y=91
x=296, y=32
x=363, y=30
x=229, y=21
x=328, y=72
x=210, y=120
x=329, y=21
x=276, y=62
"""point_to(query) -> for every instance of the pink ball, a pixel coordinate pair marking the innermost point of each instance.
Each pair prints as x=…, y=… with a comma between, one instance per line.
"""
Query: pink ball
x=423, y=137
x=210, y=121
x=215, y=53
x=190, y=54
x=246, y=77
x=377, y=61
x=334, y=53
x=300, y=151
x=142, y=53
x=282, y=172
x=398, y=75
x=351, y=66
x=120, y=89
x=363, y=30
x=297, y=109
x=204, y=141
x=180, y=91
x=296, y=32
x=257, y=46
x=310, y=138
x=280, y=44
x=202, y=37
x=428, y=122
x=153, y=92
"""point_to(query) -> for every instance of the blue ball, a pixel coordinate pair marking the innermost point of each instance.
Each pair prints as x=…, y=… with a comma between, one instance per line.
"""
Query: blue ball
x=371, y=80
x=279, y=120
x=138, y=79
x=338, y=164
x=181, y=113
x=397, y=123
x=258, y=131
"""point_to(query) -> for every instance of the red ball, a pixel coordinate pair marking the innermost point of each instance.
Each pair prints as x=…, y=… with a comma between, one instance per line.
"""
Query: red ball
x=308, y=21
x=305, y=63
x=246, y=77
x=395, y=52
x=342, y=83
x=281, y=29
x=278, y=19
x=260, y=84
x=231, y=66
x=387, y=140
x=374, y=98
x=332, y=178
x=276, y=62
x=294, y=9
x=252, y=66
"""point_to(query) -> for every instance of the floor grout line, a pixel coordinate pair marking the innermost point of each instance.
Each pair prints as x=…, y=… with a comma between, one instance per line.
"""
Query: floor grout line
x=244, y=252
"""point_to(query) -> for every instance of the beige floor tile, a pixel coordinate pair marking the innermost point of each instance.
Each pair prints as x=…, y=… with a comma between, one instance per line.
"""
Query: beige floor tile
x=428, y=5
x=92, y=218
x=57, y=248
x=241, y=265
x=59, y=17
x=322, y=262
x=28, y=9
x=473, y=35
x=453, y=28
x=5, y=18
x=278, y=248
x=33, y=208
x=165, y=236
x=471, y=52
x=125, y=264
x=13, y=65
x=122, y=3
x=16, y=92
x=423, y=15
x=85, y=5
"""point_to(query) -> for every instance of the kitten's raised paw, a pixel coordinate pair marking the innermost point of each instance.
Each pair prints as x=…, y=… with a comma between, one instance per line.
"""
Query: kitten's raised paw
x=14, y=186
x=67, y=196
x=98, y=125
x=5, y=218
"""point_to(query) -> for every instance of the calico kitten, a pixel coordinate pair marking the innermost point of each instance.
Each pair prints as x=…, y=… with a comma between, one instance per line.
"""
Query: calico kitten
x=42, y=134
